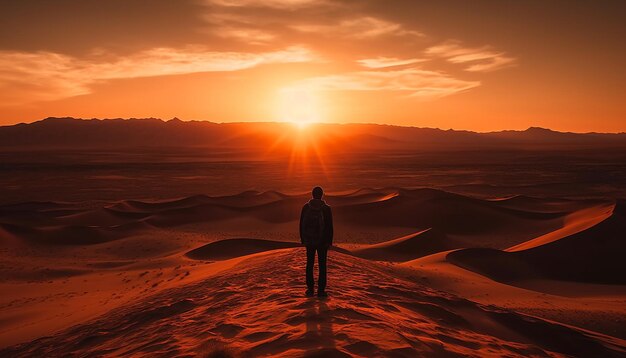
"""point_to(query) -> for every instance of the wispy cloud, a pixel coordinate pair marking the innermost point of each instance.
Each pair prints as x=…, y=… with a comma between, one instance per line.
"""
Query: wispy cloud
x=359, y=28
x=482, y=59
x=383, y=62
x=49, y=76
x=494, y=63
x=418, y=82
x=167, y=61
x=238, y=27
x=247, y=35
x=267, y=3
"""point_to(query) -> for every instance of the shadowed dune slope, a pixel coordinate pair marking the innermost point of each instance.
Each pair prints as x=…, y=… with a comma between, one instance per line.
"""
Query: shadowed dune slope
x=243, y=199
x=256, y=309
x=408, y=247
x=472, y=222
x=69, y=234
x=573, y=223
x=593, y=255
x=230, y=248
x=543, y=205
x=419, y=208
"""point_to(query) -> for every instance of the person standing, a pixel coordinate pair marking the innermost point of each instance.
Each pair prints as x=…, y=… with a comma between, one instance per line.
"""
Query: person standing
x=316, y=233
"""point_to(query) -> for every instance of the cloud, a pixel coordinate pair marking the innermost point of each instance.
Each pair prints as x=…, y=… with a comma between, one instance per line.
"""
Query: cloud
x=382, y=62
x=494, y=63
x=238, y=27
x=247, y=35
x=228, y=28
x=167, y=61
x=420, y=83
x=267, y=3
x=30, y=77
x=482, y=59
x=280, y=20
x=50, y=76
x=359, y=28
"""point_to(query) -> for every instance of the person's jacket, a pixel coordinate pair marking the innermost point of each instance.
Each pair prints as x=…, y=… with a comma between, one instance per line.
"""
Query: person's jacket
x=327, y=236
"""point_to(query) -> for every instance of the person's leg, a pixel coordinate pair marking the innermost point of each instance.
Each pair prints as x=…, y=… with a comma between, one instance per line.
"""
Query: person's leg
x=310, y=261
x=322, y=254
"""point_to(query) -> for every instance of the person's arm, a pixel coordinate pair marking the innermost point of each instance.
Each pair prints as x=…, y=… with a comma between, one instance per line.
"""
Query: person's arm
x=330, y=230
x=302, y=223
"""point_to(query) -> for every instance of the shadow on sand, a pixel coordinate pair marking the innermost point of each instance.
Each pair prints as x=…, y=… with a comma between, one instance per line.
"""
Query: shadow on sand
x=319, y=330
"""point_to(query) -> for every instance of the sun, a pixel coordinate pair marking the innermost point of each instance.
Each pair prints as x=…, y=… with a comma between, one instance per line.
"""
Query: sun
x=298, y=105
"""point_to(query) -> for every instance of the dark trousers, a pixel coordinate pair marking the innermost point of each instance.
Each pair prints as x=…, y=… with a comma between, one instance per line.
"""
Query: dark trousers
x=322, y=253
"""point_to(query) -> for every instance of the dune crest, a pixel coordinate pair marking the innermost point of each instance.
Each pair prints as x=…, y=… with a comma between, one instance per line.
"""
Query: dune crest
x=257, y=308
x=408, y=247
x=464, y=220
x=572, y=224
x=231, y=248
x=593, y=255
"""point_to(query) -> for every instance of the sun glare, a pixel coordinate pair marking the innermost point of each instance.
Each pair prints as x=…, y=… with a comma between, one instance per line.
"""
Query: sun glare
x=299, y=106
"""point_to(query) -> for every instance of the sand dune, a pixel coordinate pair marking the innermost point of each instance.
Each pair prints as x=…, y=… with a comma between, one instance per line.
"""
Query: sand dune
x=36, y=213
x=243, y=199
x=595, y=307
x=364, y=196
x=594, y=255
x=421, y=208
x=101, y=217
x=468, y=219
x=171, y=279
x=408, y=247
x=573, y=223
x=228, y=249
x=542, y=205
x=467, y=222
x=460, y=221
x=70, y=234
x=256, y=308
x=150, y=207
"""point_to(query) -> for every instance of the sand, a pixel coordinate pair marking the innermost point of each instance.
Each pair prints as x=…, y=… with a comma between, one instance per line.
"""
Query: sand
x=257, y=308
x=417, y=272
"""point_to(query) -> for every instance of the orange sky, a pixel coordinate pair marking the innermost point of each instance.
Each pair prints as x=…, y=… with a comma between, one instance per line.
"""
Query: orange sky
x=478, y=65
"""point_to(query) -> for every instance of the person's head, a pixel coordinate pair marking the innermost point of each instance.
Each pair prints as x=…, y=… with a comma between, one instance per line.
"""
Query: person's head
x=317, y=192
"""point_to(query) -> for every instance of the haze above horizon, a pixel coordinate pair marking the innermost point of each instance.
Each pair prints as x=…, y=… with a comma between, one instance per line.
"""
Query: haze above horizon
x=480, y=66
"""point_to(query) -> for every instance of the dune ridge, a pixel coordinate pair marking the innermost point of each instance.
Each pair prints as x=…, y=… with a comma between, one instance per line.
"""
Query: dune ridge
x=572, y=223
x=408, y=247
x=230, y=248
x=151, y=254
x=463, y=217
x=247, y=311
x=594, y=255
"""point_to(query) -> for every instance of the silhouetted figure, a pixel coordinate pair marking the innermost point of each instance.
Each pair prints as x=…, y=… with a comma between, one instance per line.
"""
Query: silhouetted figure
x=316, y=233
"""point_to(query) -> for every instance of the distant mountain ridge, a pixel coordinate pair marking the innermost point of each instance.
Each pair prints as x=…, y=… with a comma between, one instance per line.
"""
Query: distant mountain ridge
x=68, y=132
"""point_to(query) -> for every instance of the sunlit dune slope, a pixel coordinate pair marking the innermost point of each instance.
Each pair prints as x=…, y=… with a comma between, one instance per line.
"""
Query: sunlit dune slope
x=594, y=255
x=227, y=249
x=572, y=223
x=257, y=308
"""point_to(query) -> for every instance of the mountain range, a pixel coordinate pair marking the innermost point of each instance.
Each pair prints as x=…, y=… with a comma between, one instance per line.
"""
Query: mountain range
x=71, y=133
